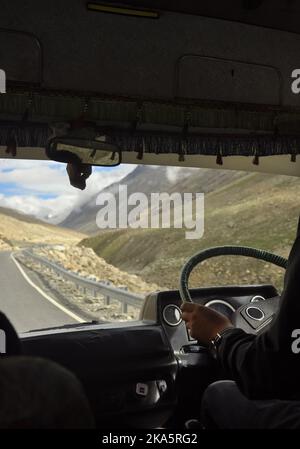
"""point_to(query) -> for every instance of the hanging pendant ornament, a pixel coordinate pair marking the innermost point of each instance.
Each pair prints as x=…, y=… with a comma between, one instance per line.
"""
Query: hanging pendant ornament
x=255, y=159
x=293, y=157
x=11, y=147
x=219, y=160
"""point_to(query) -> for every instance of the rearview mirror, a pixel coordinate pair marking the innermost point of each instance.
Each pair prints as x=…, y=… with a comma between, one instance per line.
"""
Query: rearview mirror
x=86, y=151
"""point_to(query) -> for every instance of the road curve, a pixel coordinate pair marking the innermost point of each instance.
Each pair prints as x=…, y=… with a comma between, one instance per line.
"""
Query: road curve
x=25, y=307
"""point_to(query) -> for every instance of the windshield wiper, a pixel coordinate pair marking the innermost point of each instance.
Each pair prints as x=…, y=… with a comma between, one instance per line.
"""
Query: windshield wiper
x=66, y=326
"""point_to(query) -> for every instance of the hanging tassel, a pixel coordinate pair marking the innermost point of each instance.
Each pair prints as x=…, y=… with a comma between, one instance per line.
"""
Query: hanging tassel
x=140, y=155
x=11, y=147
x=255, y=160
x=219, y=160
x=293, y=157
x=182, y=151
x=113, y=155
x=141, y=148
x=185, y=130
x=138, y=117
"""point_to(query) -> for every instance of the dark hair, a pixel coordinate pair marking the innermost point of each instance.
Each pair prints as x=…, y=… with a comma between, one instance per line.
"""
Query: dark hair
x=39, y=394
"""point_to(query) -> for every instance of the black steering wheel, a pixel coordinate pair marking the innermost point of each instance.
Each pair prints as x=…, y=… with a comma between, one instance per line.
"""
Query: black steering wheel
x=205, y=254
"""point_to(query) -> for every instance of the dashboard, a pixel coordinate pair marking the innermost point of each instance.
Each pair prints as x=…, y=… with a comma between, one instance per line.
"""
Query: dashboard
x=256, y=305
x=196, y=367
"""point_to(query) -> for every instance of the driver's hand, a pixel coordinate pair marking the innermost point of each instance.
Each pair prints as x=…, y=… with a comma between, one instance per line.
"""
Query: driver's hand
x=204, y=323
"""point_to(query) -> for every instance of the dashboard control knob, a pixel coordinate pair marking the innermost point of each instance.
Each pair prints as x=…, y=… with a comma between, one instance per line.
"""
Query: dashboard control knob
x=172, y=315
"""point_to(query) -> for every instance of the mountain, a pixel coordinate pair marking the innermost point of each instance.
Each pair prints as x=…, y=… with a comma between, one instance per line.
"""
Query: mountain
x=150, y=179
x=257, y=210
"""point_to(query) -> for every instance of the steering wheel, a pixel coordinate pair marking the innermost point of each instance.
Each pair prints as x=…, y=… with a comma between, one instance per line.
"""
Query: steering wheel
x=242, y=318
x=205, y=254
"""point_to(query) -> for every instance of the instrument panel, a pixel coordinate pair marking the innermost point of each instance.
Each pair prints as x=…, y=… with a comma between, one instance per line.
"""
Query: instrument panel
x=225, y=300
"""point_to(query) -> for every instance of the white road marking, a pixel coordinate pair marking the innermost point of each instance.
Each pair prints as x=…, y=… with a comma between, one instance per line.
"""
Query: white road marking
x=41, y=292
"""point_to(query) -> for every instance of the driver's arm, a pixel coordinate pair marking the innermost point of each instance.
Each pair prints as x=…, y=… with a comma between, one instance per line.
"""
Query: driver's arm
x=263, y=366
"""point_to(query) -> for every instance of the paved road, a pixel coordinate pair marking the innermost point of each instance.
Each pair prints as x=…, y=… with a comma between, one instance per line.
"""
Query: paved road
x=26, y=308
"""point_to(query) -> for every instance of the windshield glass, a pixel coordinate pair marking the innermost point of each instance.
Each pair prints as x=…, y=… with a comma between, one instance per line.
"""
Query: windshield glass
x=70, y=256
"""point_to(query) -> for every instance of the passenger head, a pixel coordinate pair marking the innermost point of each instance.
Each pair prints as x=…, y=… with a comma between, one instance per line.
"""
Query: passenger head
x=39, y=394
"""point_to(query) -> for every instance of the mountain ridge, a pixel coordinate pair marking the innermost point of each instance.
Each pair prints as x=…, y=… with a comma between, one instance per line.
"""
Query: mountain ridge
x=257, y=210
x=150, y=179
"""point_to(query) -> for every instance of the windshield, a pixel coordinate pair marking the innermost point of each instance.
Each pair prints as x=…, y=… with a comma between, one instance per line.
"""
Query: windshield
x=70, y=256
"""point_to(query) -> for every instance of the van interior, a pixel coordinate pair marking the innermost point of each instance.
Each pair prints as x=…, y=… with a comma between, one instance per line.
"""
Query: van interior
x=160, y=96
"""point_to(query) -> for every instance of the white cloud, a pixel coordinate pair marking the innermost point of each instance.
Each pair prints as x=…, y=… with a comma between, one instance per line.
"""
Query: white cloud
x=42, y=188
x=174, y=174
x=40, y=179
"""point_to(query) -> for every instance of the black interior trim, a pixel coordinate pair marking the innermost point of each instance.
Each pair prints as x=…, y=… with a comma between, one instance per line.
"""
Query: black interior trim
x=110, y=362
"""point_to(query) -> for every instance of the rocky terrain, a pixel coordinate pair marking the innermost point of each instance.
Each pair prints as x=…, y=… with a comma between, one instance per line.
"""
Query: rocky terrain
x=86, y=263
x=19, y=231
x=83, y=302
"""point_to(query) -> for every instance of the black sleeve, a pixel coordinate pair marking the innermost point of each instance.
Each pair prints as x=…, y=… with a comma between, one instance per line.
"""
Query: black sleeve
x=265, y=366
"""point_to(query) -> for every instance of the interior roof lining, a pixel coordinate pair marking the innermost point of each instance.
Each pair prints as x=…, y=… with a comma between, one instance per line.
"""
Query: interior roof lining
x=233, y=12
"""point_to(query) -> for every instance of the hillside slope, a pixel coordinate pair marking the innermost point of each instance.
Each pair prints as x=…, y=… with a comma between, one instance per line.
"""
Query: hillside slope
x=255, y=210
x=147, y=180
x=17, y=229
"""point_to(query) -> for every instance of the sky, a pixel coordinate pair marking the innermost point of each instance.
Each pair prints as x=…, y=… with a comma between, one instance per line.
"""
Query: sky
x=42, y=188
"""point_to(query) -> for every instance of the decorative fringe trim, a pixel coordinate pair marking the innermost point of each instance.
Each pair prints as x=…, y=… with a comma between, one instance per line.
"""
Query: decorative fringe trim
x=51, y=108
x=24, y=134
x=29, y=134
x=219, y=145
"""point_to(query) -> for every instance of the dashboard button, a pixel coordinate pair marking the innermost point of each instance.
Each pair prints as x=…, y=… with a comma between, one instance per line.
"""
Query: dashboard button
x=255, y=313
x=142, y=389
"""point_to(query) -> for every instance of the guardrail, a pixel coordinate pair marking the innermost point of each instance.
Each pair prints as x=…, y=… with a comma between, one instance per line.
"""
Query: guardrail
x=107, y=291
